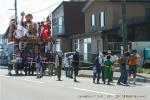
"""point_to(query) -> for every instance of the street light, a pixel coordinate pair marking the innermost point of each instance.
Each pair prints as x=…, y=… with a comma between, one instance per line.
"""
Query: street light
x=124, y=24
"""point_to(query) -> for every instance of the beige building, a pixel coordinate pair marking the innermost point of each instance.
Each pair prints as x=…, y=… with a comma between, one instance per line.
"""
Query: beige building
x=103, y=26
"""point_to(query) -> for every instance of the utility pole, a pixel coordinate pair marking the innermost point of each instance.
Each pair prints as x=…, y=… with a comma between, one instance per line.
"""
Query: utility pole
x=16, y=11
x=124, y=25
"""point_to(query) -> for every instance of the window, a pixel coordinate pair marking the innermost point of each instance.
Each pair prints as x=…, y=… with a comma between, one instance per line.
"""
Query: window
x=58, y=45
x=76, y=44
x=147, y=13
x=102, y=19
x=60, y=24
x=87, y=49
x=93, y=20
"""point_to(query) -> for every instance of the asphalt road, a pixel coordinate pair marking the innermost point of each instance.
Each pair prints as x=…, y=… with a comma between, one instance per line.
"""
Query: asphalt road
x=48, y=88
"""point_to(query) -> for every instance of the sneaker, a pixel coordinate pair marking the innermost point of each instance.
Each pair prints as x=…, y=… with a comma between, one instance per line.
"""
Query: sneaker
x=75, y=80
x=134, y=83
x=127, y=85
x=98, y=82
x=94, y=82
x=119, y=83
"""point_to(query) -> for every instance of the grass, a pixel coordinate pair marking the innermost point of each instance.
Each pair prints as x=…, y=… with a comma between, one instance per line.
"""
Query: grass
x=143, y=70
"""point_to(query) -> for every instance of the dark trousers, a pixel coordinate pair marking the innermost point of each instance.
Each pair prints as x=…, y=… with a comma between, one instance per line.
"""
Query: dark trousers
x=123, y=77
x=76, y=70
x=25, y=66
x=96, y=76
x=103, y=79
x=31, y=69
x=70, y=71
x=67, y=71
x=59, y=72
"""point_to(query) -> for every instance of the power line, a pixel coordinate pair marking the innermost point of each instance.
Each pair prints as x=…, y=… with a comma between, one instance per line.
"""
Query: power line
x=45, y=8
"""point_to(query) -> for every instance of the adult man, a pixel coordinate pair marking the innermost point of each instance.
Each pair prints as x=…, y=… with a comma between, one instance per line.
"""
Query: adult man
x=133, y=62
x=123, y=70
x=76, y=64
x=58, y=64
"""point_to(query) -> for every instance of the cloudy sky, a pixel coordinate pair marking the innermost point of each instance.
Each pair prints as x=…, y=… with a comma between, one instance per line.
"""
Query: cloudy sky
x=39, y=8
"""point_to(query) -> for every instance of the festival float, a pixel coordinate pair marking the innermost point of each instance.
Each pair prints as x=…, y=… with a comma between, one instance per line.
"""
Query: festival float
x=29, y=37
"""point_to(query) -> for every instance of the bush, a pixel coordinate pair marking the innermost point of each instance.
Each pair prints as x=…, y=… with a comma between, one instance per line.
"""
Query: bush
x=143, y=70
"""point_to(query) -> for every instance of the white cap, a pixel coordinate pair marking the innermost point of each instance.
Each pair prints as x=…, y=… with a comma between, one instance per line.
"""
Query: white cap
x=109, y=51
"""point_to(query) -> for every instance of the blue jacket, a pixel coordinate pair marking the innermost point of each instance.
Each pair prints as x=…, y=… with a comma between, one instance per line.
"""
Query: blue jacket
x=96, y=65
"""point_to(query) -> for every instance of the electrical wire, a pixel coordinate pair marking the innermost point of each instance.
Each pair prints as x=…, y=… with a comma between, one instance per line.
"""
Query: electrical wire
x=46, y=8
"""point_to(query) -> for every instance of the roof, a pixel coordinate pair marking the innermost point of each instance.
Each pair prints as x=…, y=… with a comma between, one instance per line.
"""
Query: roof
x=91, y=1
x=67, y=2
x=87, y=5
x=130, y=0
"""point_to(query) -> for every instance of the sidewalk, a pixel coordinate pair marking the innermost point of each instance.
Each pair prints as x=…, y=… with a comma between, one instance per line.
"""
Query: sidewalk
x=141, y=77
x=3, y=67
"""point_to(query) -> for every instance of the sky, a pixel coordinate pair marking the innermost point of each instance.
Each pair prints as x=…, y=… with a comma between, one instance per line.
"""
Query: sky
x=39, y=8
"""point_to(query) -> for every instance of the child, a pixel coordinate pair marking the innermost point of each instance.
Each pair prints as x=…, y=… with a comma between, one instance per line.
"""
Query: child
x=108, y=70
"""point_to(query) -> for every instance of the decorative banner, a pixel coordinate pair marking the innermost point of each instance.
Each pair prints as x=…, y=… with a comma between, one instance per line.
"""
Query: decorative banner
x=20, y=32
x=11, y=31
x=45, y=31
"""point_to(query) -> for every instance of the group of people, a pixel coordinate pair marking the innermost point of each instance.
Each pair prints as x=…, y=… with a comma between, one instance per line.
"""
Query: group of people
x=58, y=65
x=29, y=62
x=104, y=62
x=102, y=65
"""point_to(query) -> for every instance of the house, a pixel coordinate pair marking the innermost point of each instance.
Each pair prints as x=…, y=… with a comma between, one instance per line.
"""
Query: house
x=67, y=20
x=3, y=49
x=103, y=25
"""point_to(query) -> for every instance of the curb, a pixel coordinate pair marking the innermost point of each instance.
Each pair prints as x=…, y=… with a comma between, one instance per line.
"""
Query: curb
x=143, y=80
x=3, y=67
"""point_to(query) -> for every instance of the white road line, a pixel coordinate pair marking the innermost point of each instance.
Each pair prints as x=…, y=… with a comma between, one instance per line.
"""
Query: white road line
x=33, y=81
x=86, y=90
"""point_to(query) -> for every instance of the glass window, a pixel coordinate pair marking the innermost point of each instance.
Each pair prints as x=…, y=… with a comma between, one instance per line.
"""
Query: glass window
x=93, y=20
x=58, y=45
x=87, y=49
x=76, y=44
x=102, y=19
x=60, y=23
x=147, y=13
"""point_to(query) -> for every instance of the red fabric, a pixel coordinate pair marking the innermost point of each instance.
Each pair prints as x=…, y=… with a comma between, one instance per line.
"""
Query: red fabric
x=45, y=31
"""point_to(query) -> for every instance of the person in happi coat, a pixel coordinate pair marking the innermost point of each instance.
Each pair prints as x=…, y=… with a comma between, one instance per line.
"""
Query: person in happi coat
x=108, y=70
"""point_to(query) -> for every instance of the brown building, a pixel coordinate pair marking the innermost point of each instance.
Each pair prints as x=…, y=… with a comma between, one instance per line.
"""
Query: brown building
x=67, y=20
x=103, y=25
